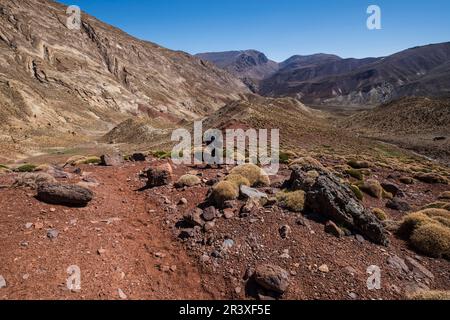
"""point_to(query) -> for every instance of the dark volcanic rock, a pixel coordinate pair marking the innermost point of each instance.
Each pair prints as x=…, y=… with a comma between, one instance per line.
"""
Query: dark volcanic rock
x=138, y=157
x=159, y=176
x=71, y=195
x=337, y=202
x=399, y=205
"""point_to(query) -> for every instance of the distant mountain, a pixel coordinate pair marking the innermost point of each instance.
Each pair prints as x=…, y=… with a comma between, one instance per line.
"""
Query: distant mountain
x=326, y=79
x=420, y=71
x=251, y=66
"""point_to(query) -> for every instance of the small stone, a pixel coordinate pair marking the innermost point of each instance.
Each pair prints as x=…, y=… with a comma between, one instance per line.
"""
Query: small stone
x=353, y=295
x=360, y=238
x=26, y=276
x=272, y=277
x=2, y=282
x=28, y=225
x=324, y=268
x=122, y=295
x=237, y=290
x=52, y=234
x=228, y=213
x=173, y=268
x=209, y=226
x=332, y=228
x=209, y=214
x=285, y=231
x=52, y=209
x=101, y=251
x=183, y=201
x=38, y=225
x=227, y=244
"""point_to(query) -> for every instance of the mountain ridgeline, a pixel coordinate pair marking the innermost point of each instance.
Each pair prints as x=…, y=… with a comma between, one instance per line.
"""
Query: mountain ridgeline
x=325, y=79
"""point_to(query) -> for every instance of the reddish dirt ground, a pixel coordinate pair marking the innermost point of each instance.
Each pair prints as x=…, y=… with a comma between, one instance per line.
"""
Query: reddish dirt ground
x=128, y=239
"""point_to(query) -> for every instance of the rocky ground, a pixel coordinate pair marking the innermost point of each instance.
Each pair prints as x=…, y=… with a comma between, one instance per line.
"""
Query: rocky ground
x=135, y=242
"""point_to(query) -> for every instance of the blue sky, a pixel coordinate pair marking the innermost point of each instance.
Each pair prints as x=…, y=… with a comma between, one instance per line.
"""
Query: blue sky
x=279, y=28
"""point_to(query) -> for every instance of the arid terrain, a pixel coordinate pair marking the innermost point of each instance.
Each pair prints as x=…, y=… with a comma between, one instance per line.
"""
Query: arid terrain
x=359, y=210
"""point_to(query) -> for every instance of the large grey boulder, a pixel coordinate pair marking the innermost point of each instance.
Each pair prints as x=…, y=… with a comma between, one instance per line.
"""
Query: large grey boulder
x=334, y=200
x=64, y=194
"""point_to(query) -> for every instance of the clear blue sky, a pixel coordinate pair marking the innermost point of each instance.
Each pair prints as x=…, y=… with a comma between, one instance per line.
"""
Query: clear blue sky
x=279, y=28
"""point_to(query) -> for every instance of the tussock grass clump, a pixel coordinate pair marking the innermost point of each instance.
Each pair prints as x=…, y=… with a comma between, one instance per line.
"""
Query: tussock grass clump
x=430, y=178
x=406, y=180
x=429, y=295
x=444, y=196
x=380, y=214
x=89, y=160
x=224, y=191
x=161, y=154
x=357, y=174
x=355, y=164
x=293, y=201
x=2, y=166
x=357, y=191
x=307, y=162
x=428, y=231
x=372, y=187
x=254, y=174
x=188, y=180
x=237, y=180
x=26, y=168
x=437, y=205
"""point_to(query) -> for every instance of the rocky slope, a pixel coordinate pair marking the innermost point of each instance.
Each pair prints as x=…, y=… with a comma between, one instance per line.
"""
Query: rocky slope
x=417, y=123
x=81, y=82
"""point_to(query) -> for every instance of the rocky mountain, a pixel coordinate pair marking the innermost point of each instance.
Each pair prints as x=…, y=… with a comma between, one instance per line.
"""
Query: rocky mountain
x=250, y=65
x=55, y=81
x=371, y=81
x=325, y=79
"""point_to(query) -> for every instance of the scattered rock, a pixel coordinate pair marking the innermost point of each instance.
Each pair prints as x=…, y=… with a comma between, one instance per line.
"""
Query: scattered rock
x=324, y=268
x=28, y=225
x=272, y=277
x=430, y=178
x=52, y=234
x=337, y=202
x=159, y=176
x=209, y=214
x=391, y=188
x=332, y=228
x=194, y=217
x=209, y=226
x=360, y=238
x=406, y=180
x=227, y=244
x=251, y=207
x=398, y=205
x=418, y=268
x=63, y=194
x=285, y=231
x=2, y=282
x=111, y=160
x=228, y=213
x=183, y=201
x=398, y=263
x=248, y=192
x=138, y=157
x=122, y=295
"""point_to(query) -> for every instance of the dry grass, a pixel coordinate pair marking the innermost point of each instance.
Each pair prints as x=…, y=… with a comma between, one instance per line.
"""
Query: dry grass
x=237, y=180
x=380, y=214
x=188, y=180
x=293, y=201
x=430, y=295
x=254, y=174
x=372, y=187
x=224, y=191
x=358, y=193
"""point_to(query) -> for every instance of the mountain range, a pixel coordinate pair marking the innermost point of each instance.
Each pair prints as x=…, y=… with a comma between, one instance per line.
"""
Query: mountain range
x=326, y=79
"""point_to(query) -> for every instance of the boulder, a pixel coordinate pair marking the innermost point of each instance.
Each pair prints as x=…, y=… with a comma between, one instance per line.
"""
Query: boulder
x=209, y=214
x=398, y=205
x=159, y=176
x=391, y=188
x=248, y=193
x=64, y=194
x=138, y=157
x=337, y=202
x=111, y=160
x=194, y=217
x=272, y=277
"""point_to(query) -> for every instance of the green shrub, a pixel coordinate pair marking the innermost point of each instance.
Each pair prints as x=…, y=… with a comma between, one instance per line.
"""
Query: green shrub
x=161, y=154
x=358, y=193
x=26, y=168
x=357, y=174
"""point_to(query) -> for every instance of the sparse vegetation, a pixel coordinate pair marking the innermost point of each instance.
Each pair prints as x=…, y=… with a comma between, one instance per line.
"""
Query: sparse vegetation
x=406, y=180
x=188, y=180
x=254, y=174
x=358, y=193
x=431, y=178
x=444, y=196
x=26, y=168
x=237, y=180
x=309, y=162
x=428, y=231
x=372, y=187
x=380, y=214
x=429, y=295
x=293, y=201
x=355, y=164
x=89, y=160
x=357, y=174
x=161, y=154
x=437, y=205
x=224, y=191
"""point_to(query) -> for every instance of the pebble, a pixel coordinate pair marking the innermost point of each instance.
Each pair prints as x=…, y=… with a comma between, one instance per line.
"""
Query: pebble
x=52, y=234
x=101, y=251
x=324, y=268
x=2, y=282
x=182, y=201
x=28, y=225
x=122, y=295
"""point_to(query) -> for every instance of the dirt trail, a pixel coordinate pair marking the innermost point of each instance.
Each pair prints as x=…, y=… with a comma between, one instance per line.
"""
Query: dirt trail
x=139, y=257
